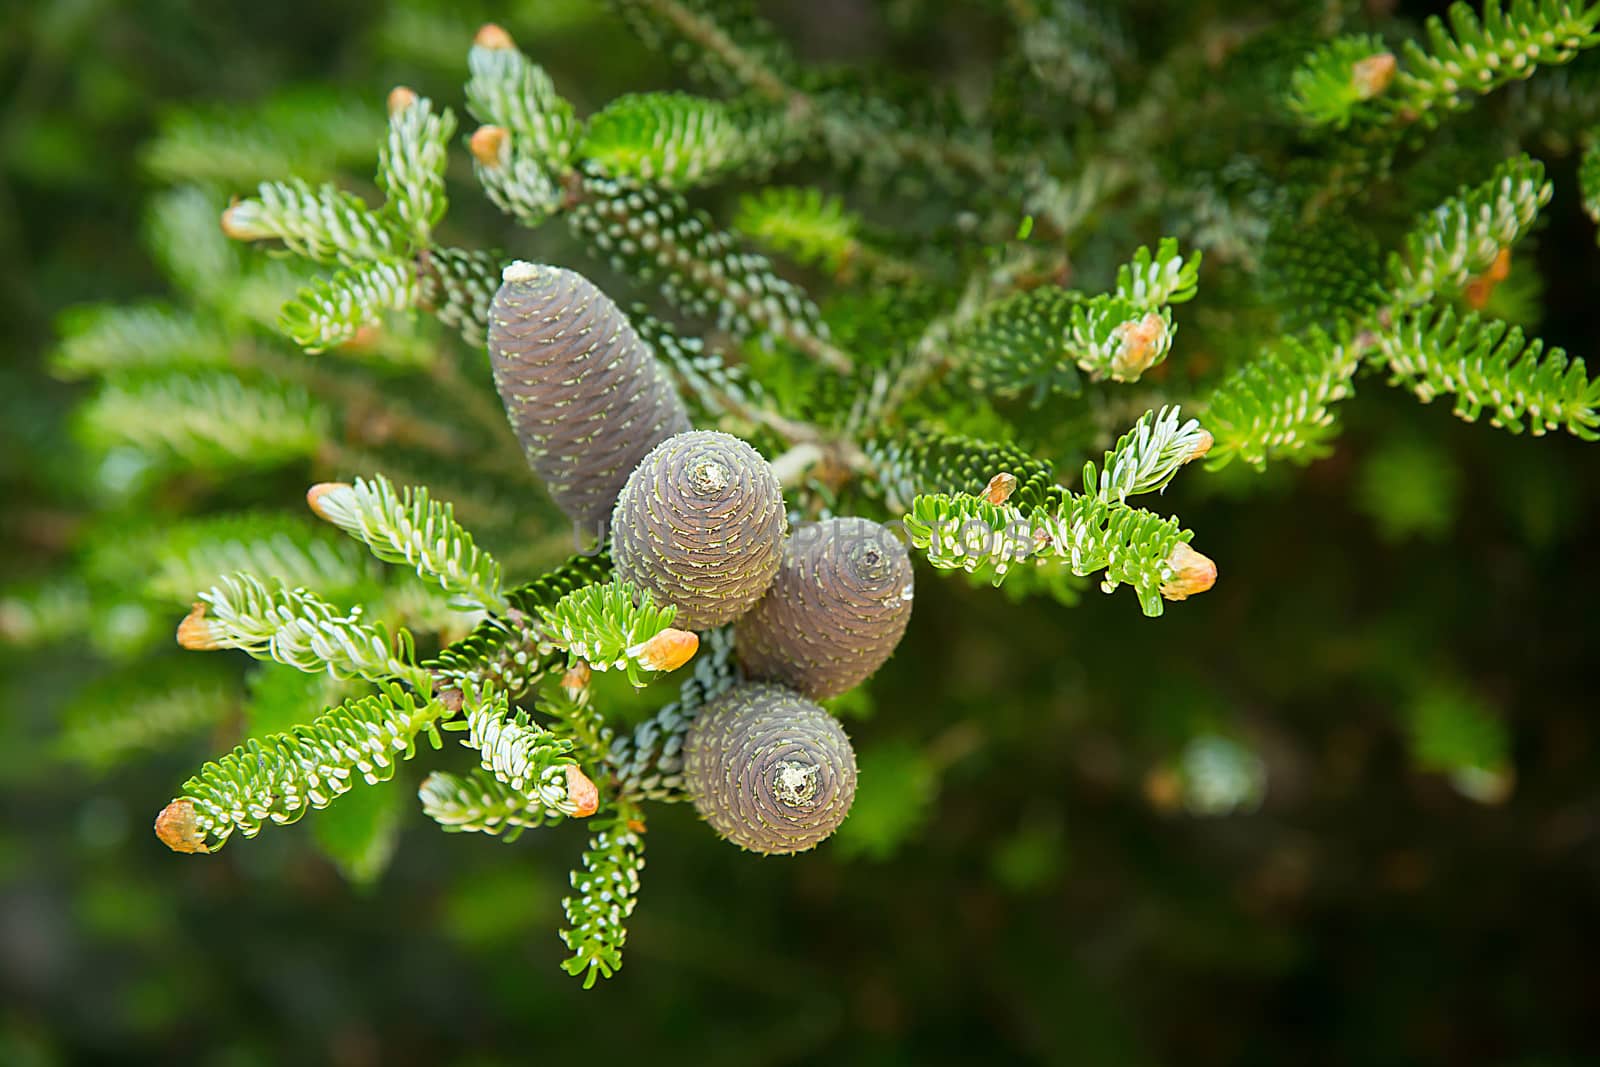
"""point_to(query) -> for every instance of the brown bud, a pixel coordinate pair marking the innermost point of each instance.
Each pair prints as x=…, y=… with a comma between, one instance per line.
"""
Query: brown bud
x=636, y=825
x=1000, y=488
x=492, y=36
x=1202, y=444
x=236, y=224
x=1163, y=789
x=178, y=828
x=315, y=494
x=1479, y=289
x=486, y=144
x=582, y=792
x=1372, y=75
x=667, y=650
x=363, y=340
x=576, y=678
x=1191, y=573
x=400, y=98
x=1139, y=346
x=195, y=632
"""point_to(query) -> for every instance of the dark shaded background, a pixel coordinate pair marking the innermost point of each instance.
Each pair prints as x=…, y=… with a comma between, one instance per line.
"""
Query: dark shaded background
x=1050, y=901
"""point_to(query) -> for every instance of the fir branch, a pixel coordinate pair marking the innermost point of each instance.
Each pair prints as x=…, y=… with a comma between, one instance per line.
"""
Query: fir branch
x=210, y=420
x=317, y=134
x=655, y=235
x=181, y=230
x=616, y=625
x=817, y=230
x=515, y=182
x=1018, y=345
x=526, y=757
x=1166, y=277
x=1148, y=457
x=322, y=224
x=1084, y=534
x=920, y=463
x=679, y=141
x=106, y=339
x=1488, y=364
x=298, y=628
x=197, y=553
x=412, y=163
x=116, y=718
x=508, y=90
x=1461, y=237
x=478, y=802
x=407, y=526
x=1478, y=55
x=278, y=778
x=1072, y=48
x=712, y=384
x=606, y=889
x=1112, y=336
x=505, y=651
x=647, y=764
x=722, y=39
x=51, y=610
x=1337, y=83
x=457, y=286
x=1279, y=405
x=331, y=311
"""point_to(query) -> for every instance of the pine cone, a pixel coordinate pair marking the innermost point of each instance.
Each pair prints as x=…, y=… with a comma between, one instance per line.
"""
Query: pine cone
x=834, y=613
x=769, y=770
x=584, y=393
x=700, y=524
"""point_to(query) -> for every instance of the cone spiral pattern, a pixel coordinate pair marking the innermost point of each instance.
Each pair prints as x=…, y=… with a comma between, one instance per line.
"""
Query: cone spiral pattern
x=834, y=613
x=583, y=392
x=700, y=524
x=768, y=769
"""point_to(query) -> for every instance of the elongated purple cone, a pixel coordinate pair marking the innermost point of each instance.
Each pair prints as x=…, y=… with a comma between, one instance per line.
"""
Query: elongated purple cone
x=768, y=769
x=700, y=524
x=583, y=392
x=834, y=613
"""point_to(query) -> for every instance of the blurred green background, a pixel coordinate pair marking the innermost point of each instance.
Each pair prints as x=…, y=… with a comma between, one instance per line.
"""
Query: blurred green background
x=1345, y=808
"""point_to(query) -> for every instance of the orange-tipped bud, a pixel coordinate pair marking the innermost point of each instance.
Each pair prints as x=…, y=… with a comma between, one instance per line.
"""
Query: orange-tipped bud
x=196, y=632
x=577, y=678
x=486, y=144
x=1481, y=288
x=363, y=340
x=1191, y=573
x=315, y=494
x=492, y=36
x=1163, y=789
x=1202, y=444
x=667, y=650
x=1000, y=488
x=400, y=98
x=583, y=794
x=178, y=828
x=236, y=224
x=1372, y=75
x=1140, y=345
x=636, y=825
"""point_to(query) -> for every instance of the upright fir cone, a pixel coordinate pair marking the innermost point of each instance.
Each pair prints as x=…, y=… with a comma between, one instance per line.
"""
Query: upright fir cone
x=700, y=525
x=834, y=613
x=584, y=393
x=769, y=770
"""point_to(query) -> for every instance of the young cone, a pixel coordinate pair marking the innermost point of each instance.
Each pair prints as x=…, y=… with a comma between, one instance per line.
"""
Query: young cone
x=769, y=770
x=700, y=525
x=584, y=393
x=834, y=613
